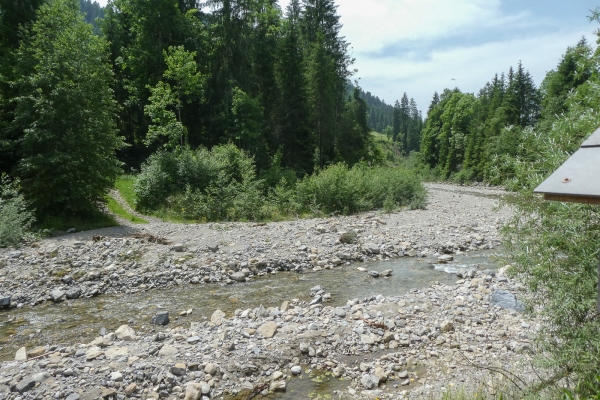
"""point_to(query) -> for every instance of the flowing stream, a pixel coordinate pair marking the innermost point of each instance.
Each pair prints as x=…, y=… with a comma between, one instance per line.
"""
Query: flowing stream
x=79, y=321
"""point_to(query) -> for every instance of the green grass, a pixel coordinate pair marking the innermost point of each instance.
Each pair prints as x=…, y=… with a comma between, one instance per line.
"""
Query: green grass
x=124, y=185
x=116, y=208
x=93, y=220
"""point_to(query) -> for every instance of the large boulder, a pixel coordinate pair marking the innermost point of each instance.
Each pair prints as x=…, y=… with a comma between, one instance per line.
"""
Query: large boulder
x=507, y=300
x=125, y=332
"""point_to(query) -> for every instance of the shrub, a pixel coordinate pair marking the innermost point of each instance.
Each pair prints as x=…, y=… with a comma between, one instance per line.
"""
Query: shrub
x=15, y=217
x=221, y=185
x=555, y=249
x=338, y=189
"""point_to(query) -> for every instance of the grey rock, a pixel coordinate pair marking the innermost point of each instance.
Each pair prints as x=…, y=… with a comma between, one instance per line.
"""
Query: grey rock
x=73, y=293
x=41, y=377
x=179, y=369
x=116, y=376
x=296, y=370
x=57, y=295
x=214, y=247
x=178, y=247
x=5, y=301
x=369, y=381
x=193, y=339
x=316, y=300
x=25, y=385
x=507, y=300
x=340, y=312
x=67, y=279
x=210, y=369
x=374, y=274
x=372, y=248
x=205, y=389
x=238, y=277
x=161, y=318
x=71, y=230
x=73, y=396
x=15, y=254
x=445, y=258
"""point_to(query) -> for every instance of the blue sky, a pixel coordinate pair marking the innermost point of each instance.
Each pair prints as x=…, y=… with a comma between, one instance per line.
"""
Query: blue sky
x=422, y=46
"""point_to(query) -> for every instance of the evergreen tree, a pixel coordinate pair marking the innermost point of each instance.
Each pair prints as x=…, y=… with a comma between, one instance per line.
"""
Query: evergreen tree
x=66, y=110
x=322, y=96
x=396, y=121
x=404, y=123
x=15, y=17
x=295, y=134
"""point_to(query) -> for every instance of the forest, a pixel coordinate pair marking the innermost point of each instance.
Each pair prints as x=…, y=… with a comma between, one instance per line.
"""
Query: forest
x=137, y=87
x=240, y=111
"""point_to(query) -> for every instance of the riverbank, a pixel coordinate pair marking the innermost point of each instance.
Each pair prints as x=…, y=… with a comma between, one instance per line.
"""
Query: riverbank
x=414, y=345
x=130, y=258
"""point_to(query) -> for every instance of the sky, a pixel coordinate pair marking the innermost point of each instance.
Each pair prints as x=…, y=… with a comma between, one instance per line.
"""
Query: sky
x=423, y=46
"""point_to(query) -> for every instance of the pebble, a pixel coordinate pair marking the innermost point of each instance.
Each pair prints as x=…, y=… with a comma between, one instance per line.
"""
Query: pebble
x=223, y=355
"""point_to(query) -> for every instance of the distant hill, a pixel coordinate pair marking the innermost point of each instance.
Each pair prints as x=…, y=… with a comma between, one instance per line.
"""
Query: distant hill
x=380, y=113
x=92, y=11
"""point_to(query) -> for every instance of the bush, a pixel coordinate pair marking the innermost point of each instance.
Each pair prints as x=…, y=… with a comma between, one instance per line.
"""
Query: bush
x=15, y=217
x=555, y=248
x=221, y=185
x=338, y=189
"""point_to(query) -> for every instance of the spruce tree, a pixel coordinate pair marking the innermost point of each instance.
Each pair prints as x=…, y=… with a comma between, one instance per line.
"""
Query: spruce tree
x=66, y=110
x=295, y=134
x=396, y=121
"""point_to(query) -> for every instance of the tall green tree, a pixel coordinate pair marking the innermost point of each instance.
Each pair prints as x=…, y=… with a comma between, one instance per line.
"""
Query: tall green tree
x=322, y=96
x=396, y=121
x=66, y=110
x=16, y=16
x=296, y=136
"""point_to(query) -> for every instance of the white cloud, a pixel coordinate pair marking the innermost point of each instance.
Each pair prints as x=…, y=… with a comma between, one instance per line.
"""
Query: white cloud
x=470, y=66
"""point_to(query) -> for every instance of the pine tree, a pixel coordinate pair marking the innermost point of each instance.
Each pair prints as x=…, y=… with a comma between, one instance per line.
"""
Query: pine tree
x=295, y=135
x=15, y=17
x=396, y=121
x=66, y=110
x=322, y=96
x=404, y=123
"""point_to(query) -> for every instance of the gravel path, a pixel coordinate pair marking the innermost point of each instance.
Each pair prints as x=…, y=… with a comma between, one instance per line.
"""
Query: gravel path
x=414, y=345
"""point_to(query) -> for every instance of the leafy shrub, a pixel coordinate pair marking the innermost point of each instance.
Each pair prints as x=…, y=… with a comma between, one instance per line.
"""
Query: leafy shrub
x=555, y=248
x=15, y=217
x=221, y=185
x=338, y=189
x=189, y=173
x=348, y=237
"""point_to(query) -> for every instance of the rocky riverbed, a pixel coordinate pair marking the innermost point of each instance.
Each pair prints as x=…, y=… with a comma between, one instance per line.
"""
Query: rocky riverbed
x=128, y=259
x=414, y=345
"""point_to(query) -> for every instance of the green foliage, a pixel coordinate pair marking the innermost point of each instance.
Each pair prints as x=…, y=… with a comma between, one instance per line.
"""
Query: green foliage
x=222, y=185
x=467, y=134
x=92, y=12
x=349, y=237
x=116, y=208
x=338, y=189
x=124, y=184
x=555, y=246
x=214, y=174
x=66, y=110
x=15, y=217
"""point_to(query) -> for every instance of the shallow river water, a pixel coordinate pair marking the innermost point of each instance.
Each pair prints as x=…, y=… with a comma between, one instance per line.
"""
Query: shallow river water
x=80, y=321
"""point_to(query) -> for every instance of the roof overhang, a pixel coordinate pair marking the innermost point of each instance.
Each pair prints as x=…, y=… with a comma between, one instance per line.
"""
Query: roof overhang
x=578, y=179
